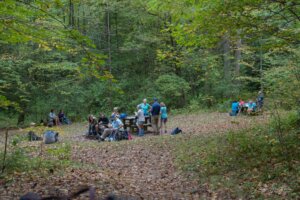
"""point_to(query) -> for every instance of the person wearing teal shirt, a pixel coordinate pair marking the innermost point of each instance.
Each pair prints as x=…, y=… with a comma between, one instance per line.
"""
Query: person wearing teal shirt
x=163, y=117
x=146, y=107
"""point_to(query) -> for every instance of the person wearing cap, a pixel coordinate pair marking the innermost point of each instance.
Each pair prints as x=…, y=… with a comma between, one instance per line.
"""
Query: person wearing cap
x=116, y=124
x=155, y=111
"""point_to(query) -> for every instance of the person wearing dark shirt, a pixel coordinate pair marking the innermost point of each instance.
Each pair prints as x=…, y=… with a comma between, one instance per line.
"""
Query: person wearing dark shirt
x=103, y=119
x=61, y=116
x=260, y=100
x=103, y=122
x=155, y=111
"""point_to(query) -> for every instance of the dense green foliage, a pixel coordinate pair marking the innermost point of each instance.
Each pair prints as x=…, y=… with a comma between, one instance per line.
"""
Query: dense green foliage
x=86, y=56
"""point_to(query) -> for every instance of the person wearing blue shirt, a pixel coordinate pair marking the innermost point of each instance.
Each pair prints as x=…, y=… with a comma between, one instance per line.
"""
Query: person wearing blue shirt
x=251, y=106
x=163, y=116
x=155, y=111
x=116, y=124
x=234, y=108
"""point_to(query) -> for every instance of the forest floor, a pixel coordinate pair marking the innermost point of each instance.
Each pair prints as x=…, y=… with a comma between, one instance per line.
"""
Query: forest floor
x=142, y=168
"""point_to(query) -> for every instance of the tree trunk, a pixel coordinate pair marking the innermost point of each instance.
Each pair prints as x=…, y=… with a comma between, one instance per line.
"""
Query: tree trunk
x=109, y=49
x=71, y=13
x=238, y=56
x=261, y=65
x=226, y=58
x=83, y=20
x=5, y=151
x=78, y=16
x=21, y=118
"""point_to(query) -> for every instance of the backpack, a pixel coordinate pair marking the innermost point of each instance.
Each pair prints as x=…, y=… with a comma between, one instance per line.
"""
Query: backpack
x=118, y=135
x=123, y=115
x=33, y=137
x=50, y=137
x=176, y=131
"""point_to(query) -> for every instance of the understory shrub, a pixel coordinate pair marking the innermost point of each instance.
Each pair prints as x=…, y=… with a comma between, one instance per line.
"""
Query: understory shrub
x=257, y=163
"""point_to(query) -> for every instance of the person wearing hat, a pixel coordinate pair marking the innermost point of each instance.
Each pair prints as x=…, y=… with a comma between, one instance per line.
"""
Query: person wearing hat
x=116, y=124
x=155, y=111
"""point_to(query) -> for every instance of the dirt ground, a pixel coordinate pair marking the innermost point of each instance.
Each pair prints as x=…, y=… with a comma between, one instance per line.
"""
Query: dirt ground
x=142, y=168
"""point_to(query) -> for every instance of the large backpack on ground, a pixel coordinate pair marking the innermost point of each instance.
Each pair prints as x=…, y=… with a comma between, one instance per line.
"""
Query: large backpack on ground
x=33, y=137
x=50, y=137
x=176, y=131
x=118, y=135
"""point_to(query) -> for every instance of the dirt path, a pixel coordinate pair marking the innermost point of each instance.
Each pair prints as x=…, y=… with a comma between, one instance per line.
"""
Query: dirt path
x=142, y=168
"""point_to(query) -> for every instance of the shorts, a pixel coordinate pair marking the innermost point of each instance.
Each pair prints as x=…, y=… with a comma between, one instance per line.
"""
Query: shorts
x=164, y=120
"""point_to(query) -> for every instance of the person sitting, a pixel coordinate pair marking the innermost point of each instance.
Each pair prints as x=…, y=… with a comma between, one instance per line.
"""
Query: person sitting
x=114, y=113
x=92, y=125
x=116, y=125
x=62, y=118
x=53, y=119
x=102, y=123
x=242, y=106
x=251, y=107
x=234, y=108
x=103, y=119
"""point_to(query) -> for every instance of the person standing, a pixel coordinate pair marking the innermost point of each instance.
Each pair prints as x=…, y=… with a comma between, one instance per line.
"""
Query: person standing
x=140, y=121
x=145, y=107
x=155, y=111
x=260, y=100
x=163, y=117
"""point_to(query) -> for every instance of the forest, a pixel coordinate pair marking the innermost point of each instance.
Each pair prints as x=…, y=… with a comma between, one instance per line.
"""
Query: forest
x=197, y=56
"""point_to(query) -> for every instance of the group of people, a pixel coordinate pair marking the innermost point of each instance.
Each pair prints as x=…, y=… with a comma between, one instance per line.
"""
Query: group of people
x=104, y=126
x=157, y=112
x=247, y=107
x=55, y=120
